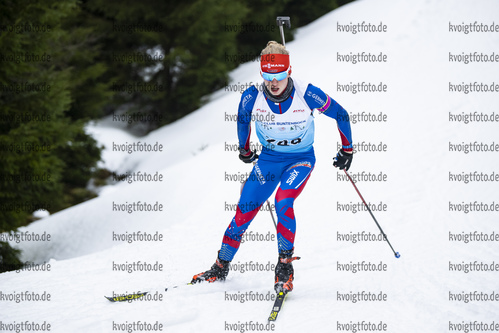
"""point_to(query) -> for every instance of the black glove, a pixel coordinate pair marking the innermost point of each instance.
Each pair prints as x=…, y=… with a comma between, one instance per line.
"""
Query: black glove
x=343, y=160
x=247, y=156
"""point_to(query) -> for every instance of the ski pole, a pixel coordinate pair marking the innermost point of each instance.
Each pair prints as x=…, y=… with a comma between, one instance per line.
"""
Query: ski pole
x=397, y=255
x=271, y=214
x=283, y=20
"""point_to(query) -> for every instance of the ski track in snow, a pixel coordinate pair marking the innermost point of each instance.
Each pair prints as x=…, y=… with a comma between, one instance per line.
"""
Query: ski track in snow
x=81, y=251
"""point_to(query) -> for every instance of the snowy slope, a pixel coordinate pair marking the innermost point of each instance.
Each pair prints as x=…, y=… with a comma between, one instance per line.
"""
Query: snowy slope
x=194, y=194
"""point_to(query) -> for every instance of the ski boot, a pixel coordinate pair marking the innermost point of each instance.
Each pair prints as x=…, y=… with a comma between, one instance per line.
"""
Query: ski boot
x=217, y=272
x=284, y=272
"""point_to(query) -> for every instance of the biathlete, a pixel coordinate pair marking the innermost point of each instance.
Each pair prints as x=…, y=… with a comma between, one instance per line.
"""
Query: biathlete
x=284, y=122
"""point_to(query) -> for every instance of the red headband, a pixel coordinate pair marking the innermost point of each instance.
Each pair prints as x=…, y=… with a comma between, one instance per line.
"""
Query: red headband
x=274, y=63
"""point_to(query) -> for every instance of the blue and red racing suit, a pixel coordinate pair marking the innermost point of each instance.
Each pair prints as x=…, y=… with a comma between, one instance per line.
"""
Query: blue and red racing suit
x=286, y=132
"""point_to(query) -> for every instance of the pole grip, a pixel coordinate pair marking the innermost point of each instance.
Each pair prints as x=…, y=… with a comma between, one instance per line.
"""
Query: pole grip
x=283, y=20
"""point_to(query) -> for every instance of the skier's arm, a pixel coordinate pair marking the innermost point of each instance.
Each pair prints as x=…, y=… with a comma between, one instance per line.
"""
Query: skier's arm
x=317, y=99
x=244, y=121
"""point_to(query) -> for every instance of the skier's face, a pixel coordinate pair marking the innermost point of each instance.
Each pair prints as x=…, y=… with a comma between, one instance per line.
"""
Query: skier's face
x=276, y=87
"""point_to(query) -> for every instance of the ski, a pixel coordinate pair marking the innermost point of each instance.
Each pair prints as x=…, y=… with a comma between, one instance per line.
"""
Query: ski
x=278, y=303
x=126, y=298
x=133, y=296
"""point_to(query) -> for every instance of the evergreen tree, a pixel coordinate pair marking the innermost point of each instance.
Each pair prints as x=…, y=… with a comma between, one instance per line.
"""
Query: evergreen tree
x=35, y=95
x=175, y=50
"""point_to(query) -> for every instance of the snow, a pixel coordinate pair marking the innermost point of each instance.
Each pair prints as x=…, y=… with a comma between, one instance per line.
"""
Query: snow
x=81, y=251
x=41, y=213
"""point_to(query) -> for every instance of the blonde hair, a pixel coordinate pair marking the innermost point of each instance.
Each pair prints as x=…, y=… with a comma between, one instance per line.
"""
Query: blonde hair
x=274, y=47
